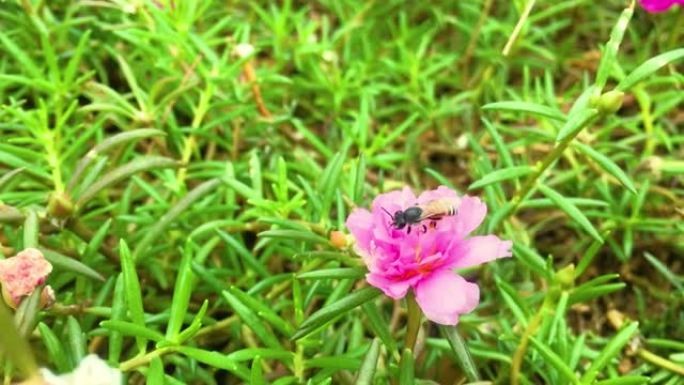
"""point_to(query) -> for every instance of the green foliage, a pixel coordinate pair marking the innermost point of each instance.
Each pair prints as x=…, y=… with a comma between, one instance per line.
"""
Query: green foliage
x=186, y=193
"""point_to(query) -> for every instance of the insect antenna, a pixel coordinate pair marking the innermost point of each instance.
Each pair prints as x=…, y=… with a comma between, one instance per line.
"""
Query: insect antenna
x=388, y=213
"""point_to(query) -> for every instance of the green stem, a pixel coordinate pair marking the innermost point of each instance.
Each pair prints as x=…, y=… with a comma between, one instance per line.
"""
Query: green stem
x=474, y=35
x=414, y=318
x=223, y=324
x=298, y=362
x=518, y=27
x=412, y=328
x=52, y=157
x=144, y=359
x=460, y=349
x=644, y=101
x=660, y=361
x=31, y=229
x=550, y=159
x=532, y=326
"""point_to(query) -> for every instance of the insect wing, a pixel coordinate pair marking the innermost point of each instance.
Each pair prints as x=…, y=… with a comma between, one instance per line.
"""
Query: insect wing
x=438, y=208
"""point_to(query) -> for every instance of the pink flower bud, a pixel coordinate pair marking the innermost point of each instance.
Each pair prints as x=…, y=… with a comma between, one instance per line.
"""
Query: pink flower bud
x=22, y=274
x=338, y=239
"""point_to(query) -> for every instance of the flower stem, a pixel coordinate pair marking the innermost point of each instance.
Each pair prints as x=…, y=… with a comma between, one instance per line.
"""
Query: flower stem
x=660, y=361
x=460, y=349
x=532, y=326
x=144, y=359
x=644, y=101
x=50, y=139
x=550, y=159
x=414, y=318
x=518, y=27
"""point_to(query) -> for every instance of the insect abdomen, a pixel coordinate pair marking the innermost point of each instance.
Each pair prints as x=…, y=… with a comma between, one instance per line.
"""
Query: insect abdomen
x=439, y=208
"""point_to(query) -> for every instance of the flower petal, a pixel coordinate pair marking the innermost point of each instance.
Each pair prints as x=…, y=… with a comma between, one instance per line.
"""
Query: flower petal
x=92, y=370
x=95, y=371
x=439, y=193
x=444, y=296
x=360, y=224
x=658, y=5
x=469, y=216
x=394, y=200
x=478, y=250
x=391, y=288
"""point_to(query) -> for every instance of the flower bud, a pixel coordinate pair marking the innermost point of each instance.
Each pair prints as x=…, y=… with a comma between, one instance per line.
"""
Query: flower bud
x=610, y=102
x=329, y=56
x=60, y=205
x=615, y=318
x=243, y=50
x=22, y=274
x=654, y=165
x=47, y=297
x=338, y=240
x=566, y=276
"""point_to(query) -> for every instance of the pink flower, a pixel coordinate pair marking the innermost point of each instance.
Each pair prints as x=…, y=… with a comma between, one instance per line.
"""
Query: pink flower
x=424, y=258
x=22, y=274
x=654, y=6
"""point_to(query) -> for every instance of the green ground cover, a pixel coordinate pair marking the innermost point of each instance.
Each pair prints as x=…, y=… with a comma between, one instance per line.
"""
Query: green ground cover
x=186, y=189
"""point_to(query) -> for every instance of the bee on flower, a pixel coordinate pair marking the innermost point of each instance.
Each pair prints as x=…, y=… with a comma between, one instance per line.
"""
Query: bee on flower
x=424, y=261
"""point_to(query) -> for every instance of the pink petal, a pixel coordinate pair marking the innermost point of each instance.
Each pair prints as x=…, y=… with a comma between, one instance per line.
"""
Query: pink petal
x=469, y=216
x=366, y=256
x=394, y=200
x=444, y=296
x=391, y=288
x=439, y=193
x=360, y=224
x=478, y=250
x=658, y=5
